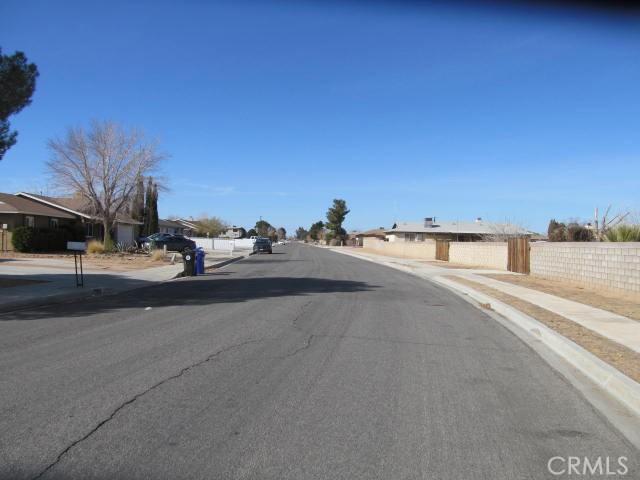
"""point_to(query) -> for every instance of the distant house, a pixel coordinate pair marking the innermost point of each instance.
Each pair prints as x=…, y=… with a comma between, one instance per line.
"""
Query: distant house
x=80, y=208
x=430, y=229
x=189, y=227
x=171, y=226
x=18, y=211
x=376, y=233
x=234, y=232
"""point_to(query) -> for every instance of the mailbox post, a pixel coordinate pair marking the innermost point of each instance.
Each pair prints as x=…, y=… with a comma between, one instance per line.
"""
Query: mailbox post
x=78, y=248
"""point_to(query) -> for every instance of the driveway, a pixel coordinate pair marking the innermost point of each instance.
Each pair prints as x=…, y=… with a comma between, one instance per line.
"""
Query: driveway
x=304, y=364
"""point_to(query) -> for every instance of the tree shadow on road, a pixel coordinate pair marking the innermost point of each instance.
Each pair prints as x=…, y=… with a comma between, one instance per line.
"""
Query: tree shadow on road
x=196, y=291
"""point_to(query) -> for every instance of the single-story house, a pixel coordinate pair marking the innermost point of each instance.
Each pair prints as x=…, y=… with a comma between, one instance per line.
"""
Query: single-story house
x=17, y=211
x=171, y=226
x=123, y=230
x=234, y=232
x=376, y=233
x=430, y=229
x=190, y=227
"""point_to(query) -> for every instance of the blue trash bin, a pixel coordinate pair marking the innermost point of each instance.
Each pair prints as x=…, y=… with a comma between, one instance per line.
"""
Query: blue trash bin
x=200, y=261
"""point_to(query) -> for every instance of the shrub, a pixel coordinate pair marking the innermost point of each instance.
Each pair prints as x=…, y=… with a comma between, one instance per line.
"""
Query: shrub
x=557, y=232
x=624, y=233
x=29, y=239
x=579, y=233
x=22, y=239
x=157, y=255
x=95, y=247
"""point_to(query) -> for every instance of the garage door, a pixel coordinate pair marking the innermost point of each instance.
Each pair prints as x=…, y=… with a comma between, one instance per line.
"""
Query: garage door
x=124, y=234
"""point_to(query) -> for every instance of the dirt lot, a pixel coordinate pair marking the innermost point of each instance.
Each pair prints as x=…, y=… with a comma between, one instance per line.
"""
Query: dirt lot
x=108, y=261
x=616, y=355
x=625, y=304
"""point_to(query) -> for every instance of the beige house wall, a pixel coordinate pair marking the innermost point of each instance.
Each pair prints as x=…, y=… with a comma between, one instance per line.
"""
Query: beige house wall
x=421, y=250
x=610, y=265
x=479, y=254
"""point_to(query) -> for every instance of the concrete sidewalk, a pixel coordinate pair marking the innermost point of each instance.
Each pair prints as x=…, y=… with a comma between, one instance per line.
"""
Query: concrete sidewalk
x=56, y=279
x=617, y=328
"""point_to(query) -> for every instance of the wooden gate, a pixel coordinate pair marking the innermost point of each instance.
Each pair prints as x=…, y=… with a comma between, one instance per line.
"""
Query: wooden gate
x=518, y=260
x=5, y=241
x=442, y=250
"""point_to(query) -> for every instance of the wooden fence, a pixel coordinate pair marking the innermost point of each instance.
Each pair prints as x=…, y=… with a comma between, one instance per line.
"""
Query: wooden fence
x=442, y=250
x=519, y=259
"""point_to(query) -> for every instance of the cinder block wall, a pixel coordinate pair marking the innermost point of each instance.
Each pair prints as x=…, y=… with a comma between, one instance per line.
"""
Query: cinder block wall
x=421, y=250
x=608, y=265
x=479, y=254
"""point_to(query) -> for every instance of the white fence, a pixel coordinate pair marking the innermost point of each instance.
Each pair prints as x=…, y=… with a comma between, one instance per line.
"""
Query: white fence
x=223, y=243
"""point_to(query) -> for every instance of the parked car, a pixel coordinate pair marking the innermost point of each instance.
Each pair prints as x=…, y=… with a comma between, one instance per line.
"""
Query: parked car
x=262, y=245
x=174, y=243
x=144, y=239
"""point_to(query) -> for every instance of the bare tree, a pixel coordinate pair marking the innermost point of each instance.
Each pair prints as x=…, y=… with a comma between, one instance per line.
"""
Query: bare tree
x=103, y=166
x=501, y=232
x=606, y=223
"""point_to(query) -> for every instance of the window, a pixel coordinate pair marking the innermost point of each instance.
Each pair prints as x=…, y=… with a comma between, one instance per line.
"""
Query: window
x=53, y=223
x=88, y=229
x=29, y=221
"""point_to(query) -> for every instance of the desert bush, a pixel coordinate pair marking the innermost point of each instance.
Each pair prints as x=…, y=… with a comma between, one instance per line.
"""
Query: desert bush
x=95, y=247
x=578, y=233
x=624, y=233
x=22, y=239
x=557, y=232
x=157, y=255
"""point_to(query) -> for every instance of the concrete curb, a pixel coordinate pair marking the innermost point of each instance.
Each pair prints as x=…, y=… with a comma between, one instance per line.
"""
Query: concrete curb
x=614, y=383
x=225, y=262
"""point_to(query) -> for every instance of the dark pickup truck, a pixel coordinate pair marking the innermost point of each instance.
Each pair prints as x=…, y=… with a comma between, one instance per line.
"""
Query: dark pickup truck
x=262, y=245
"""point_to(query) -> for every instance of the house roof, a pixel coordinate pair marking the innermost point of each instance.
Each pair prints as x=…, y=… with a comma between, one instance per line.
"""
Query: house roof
x=376, y=232
x=15, y=204
x=192, y=224
x=76, y=206
x=476, y=228
x=169, y=223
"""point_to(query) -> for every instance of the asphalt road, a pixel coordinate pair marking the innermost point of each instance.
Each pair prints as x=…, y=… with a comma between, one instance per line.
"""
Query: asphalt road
x=304, y=364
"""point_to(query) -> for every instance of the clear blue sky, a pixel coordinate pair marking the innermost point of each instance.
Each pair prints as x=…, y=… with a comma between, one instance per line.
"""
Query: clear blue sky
x=274, y=109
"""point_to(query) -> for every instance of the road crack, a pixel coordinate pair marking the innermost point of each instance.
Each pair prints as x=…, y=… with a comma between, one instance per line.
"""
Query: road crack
x=123, y=405
x=302, y=311
x=306, y=345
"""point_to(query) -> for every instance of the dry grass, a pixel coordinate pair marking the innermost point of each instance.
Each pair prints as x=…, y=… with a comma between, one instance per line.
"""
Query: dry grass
x=440, y=263
x=95, y=247
x=157, y=255
x=625, y=304
x=622, y=358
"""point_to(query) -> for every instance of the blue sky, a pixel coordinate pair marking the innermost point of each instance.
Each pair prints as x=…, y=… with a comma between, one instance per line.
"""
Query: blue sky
x=273, y=109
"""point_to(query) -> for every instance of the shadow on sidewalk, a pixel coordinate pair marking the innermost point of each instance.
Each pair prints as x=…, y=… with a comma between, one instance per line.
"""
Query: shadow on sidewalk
x=196, y=291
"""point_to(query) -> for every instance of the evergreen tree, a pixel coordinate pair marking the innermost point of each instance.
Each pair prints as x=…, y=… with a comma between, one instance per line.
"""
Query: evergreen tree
x=17, y=84
x=137, y=206
x=301, y=233
x=154, y=222
x=335, y=217
x=146, y=227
